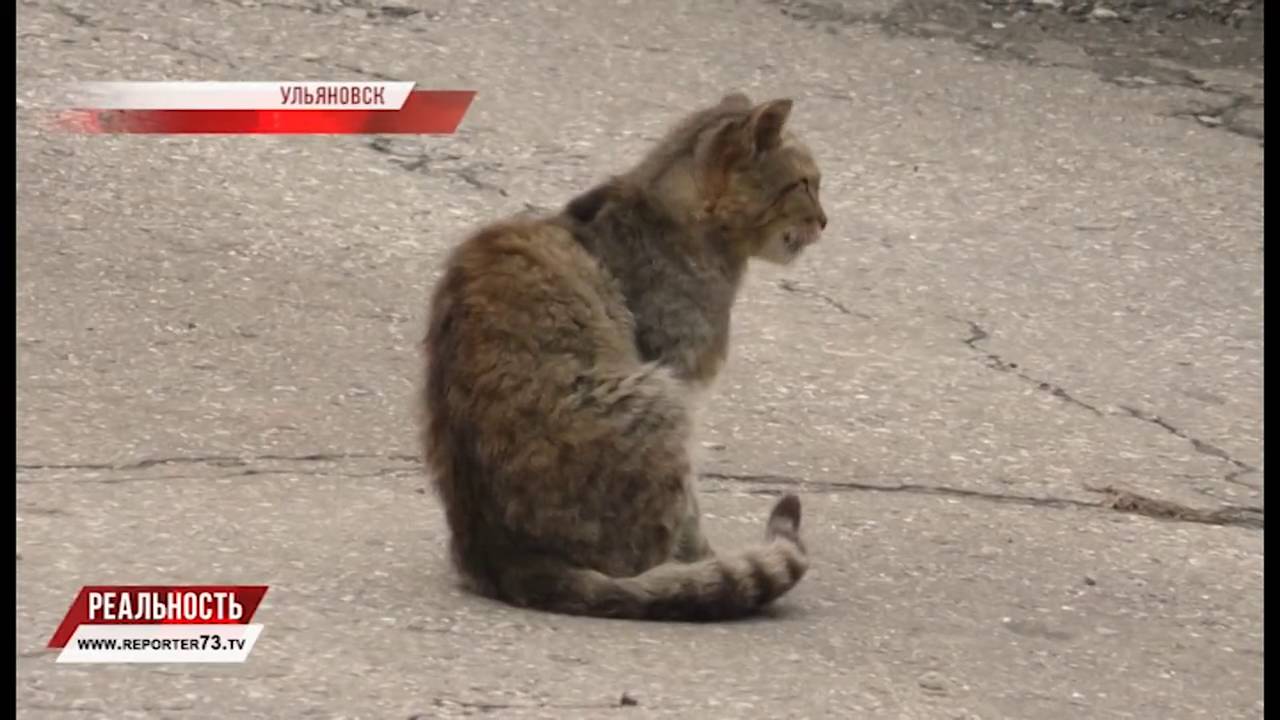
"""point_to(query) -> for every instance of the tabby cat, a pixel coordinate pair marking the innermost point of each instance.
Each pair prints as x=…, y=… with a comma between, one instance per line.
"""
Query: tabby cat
x=562, y=355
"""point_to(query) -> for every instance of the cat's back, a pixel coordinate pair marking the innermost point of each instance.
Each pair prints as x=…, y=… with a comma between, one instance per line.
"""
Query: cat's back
x=516, y=257
x=523, y=296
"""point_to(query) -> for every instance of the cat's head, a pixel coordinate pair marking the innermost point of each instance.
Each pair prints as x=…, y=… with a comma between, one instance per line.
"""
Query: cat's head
x=758, y=182
x=734, y=169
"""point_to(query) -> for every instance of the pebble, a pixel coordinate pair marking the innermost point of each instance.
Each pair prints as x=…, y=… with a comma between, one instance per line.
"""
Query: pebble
x=1104, y=13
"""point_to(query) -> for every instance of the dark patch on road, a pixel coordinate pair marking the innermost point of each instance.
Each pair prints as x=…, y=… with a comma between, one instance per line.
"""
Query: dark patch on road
x=1130, y=43
x=1130, y=502
x=1241, y=115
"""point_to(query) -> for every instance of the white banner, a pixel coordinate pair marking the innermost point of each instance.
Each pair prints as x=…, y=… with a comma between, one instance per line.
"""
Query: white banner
x=160, y=644
x=283, y=95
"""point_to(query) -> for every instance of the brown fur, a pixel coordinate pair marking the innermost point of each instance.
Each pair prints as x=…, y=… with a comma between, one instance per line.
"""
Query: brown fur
x=561, y=353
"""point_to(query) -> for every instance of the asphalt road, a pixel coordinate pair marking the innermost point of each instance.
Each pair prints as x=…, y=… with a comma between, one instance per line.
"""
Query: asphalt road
x=1018, y=384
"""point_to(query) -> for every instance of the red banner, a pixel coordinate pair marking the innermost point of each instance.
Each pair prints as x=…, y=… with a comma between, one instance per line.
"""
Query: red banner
x=159, y=604
x=426, y=112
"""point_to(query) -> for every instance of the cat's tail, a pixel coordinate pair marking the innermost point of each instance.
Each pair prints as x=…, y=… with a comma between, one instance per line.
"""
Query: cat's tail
x=717, y=588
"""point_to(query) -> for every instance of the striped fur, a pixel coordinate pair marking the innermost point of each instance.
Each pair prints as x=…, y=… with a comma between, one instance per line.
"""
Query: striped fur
x=715, y=588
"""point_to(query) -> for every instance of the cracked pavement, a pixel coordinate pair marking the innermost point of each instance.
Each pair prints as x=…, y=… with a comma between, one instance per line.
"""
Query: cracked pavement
x=1018, y=384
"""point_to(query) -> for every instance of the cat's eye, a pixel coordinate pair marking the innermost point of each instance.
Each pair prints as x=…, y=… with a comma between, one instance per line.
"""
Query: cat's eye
x=791, y=187
x=809, y=185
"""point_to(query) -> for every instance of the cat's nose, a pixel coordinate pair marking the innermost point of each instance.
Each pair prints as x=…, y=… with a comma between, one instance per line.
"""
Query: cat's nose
x=821, y=220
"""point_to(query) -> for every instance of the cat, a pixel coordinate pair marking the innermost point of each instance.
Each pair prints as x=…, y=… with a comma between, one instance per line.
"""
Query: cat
x=562, y=353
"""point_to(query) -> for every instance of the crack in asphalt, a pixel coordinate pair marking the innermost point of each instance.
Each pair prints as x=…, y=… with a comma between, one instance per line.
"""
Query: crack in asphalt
x=314, y=8
x=217, y=461
x=626, y=700
x=792, y=287
x=423, y=161
x=372, y=10
x=1120, y=500
x=996, y=362
x=79, y=18
x=468, y=176
x=82, y=20
x=1222, y=117
x=350, y=68
x=178, y=48
x=62, y=708
x=224, y=461
x=1123, y=501
x=1200, y=446
x=381, y=472
x=909, y=488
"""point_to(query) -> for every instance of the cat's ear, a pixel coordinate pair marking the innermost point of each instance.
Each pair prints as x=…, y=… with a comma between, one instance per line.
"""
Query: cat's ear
x=739, y=142
x=764, y=125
